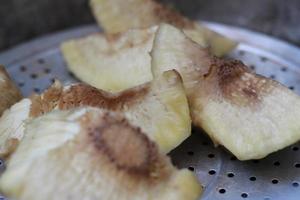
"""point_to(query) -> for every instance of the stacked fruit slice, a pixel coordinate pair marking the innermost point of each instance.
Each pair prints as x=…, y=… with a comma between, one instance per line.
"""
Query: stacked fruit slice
x=109, y=141
x=92, y=154
x=252, y=116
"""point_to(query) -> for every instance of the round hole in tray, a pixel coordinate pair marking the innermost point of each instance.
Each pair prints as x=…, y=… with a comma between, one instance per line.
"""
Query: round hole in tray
x=33, y=76
x=233, y=158
x=211, y=155
x=71, y=74
x=272, y=76
x=295, y=184
x=297, y=165
x=277, y=163
x=37, y=90
x=244, y=195
x=241, y=52
x=211, y=172
x=291, y=87
x=252, y=178
x=21, y=84
x=23, y=68
x=191, y=169
x=230, y=175
x=222, y=191
x=255, y=161
x=295, y=148
x=41, y=61
x=47, y=70
x=275, y=181
x=284, y=69
x=263, y=59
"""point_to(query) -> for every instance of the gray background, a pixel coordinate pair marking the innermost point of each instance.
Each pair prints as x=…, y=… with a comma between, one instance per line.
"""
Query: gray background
x=22, y=20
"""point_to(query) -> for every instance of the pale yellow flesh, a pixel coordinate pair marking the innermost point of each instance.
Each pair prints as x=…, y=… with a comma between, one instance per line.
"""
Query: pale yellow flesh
x=159, y=107
x=113, y=63
x=12, y=126
x=248, y=131
x=163, y=112
x=118, y=16
x=57, y=150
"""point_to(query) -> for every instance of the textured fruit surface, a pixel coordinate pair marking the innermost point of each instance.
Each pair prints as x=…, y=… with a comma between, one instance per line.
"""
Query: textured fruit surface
x=113, y=62
x=92, y=154
x=252, y=116
x=118, y=16
x=160, y=108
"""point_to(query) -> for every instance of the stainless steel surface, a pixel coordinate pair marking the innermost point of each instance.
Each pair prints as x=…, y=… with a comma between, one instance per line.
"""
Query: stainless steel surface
x=35, y=65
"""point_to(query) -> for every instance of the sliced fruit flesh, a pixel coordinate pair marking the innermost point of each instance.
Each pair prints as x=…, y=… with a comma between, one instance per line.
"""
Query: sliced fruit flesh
x=118, y=16
x=159, y=107
x=12, y=121
x=88, y=154
x=12, y=127
x=250, y=115
x=114, y=62
x=9, y=93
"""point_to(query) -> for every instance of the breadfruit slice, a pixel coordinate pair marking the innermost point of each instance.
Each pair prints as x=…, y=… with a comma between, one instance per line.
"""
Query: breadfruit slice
x=118, y=16
x=114, y=62
x=159, y=107
x=252, y=116
x=92, y=154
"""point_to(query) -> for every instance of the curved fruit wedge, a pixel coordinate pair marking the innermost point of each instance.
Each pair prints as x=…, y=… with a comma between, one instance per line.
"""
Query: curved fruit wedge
x=252, y=116
x=12, y=128
x=159, y=107
x=113, y=63
x=118, y=16
x=92, y=154
x=9, y=93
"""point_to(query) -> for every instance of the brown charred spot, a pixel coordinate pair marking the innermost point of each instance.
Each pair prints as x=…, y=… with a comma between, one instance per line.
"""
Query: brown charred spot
x=84, y=95
x=171, y=16
x=250, y=93
x=46, y=102
x=113, y=37
x=239, y=85
x=230, y=71
x=125, y=146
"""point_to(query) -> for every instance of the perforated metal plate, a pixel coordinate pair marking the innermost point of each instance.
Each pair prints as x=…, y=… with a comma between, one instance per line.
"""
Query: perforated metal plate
x=35, y=65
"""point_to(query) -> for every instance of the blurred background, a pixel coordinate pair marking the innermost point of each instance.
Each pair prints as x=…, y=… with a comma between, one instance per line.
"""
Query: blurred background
x=22, y=20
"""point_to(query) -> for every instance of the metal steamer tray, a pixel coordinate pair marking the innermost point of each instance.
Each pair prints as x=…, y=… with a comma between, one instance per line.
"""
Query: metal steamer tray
x=36, y=64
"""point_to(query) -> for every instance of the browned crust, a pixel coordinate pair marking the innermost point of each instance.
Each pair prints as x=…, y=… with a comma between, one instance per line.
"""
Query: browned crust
x=239, y=85
x=46, y=102
x=230, y=71
x=85, y=95
x=171, y=16
x=125, y=147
